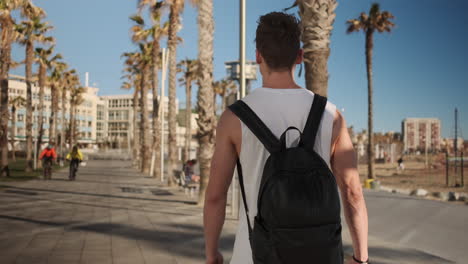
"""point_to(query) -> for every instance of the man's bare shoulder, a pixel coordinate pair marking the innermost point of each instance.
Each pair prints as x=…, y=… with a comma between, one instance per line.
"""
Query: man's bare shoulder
x=338, y=124
x=229, y=127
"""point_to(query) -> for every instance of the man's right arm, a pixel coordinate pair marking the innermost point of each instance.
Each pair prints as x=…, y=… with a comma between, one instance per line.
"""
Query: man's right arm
x=344, y=165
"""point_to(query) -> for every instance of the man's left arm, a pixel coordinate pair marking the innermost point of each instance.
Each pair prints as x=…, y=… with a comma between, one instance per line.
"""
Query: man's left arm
x=222, y=169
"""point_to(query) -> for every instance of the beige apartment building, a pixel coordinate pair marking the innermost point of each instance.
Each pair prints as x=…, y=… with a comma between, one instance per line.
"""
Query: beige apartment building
x=420, y=134
x=102, y=121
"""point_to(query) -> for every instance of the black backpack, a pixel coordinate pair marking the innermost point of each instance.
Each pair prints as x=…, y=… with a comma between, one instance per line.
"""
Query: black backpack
x=298, y=219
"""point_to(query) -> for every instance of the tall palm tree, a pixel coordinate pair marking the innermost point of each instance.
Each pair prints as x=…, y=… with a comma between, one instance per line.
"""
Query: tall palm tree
x=176, y=8
x=157, y=32
x=7, y=37
x=70, y=79
x=223, y=88
x=375, y=21
x=143, y=59
x=76, y=99
x=55, y=82
x=43, y=57
x=15, y=103
x=133, y=76
x=31, y=31
x=189, y=68
x=317, y=18
x=205, y=105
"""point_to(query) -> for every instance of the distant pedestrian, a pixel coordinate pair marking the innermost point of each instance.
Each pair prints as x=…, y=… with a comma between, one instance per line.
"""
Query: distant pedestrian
x=189, y=171
x=401, y=165
x=47, y=156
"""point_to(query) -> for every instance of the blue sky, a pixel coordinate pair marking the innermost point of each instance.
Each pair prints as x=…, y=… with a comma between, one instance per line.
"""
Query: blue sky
x=420, y=70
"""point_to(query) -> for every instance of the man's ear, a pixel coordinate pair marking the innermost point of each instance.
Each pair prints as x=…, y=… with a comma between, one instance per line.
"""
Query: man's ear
x=258, y=57
x=300, y=56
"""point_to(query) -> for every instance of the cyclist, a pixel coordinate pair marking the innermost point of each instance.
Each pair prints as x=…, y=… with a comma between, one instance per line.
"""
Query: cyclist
x=75, y=157
x=48, y=155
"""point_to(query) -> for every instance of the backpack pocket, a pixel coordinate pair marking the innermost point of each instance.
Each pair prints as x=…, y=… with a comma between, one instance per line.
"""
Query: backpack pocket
x=318, y=244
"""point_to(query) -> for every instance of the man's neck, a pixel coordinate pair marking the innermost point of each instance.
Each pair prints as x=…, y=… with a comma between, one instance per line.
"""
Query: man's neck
x=280, y=80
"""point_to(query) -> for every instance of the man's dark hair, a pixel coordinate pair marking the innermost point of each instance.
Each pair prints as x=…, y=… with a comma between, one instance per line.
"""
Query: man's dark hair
x=278, y=39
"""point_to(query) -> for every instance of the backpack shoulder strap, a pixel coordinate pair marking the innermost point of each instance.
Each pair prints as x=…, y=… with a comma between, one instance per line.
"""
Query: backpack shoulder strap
x=256, y=125
x=313, y=121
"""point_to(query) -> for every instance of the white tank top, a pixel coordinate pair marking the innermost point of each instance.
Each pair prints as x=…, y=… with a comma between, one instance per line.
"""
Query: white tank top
x=278, y=109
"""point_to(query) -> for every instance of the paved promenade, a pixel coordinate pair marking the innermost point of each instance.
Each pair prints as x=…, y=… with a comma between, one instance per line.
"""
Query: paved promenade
x=112, y=214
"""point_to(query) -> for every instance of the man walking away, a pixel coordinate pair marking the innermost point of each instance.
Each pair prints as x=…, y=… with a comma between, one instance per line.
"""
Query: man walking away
x=292, y=151
x=47, y=156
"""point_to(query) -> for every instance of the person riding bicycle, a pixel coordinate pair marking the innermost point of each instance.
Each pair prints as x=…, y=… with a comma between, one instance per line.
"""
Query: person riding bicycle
x=47, y=156
x=75, y=157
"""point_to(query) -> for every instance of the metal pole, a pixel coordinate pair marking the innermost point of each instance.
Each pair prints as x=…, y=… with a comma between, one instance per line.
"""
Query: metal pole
x=446, y=168
x=35, y=150
x=462, y=180
x=242, y=48
x=242, y=84
x=455, y=145
x=165, y=56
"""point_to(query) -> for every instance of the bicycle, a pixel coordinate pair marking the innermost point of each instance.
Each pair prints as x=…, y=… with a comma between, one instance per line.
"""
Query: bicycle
x=73, y=169
x=47, y=164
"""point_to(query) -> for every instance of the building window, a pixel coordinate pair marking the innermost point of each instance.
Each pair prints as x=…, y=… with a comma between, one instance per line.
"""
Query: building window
x=20, y=117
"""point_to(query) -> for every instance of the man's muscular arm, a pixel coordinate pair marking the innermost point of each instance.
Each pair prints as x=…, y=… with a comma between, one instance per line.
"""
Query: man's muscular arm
x=222, y=169
x=344, y=165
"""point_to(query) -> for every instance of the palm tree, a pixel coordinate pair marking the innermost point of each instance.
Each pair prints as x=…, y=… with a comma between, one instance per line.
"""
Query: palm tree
x=205, y=105
x=143, y=59
x=378, y=21
x=42, y=57
x=176, y=8
x=133, y=76
x=157, y=32
x=223, y=88
x=317, y=17
x=55, y=81
x=76, y=98
x=31, y=31
x=7, y=37
x=189, y=68
x=15, y=103
x=70, y=79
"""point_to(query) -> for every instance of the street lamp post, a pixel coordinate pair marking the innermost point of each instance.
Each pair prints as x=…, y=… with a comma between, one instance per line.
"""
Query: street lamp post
x=35, y=140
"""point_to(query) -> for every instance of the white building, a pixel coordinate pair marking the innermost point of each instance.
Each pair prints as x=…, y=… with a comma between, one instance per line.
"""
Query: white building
x=101, y=120
x=420, y=134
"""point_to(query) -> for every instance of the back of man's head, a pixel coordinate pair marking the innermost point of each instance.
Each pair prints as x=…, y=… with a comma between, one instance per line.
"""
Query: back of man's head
x=278, y=40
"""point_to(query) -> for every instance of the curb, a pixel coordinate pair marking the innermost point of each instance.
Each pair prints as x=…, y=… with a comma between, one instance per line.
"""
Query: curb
x=422, y=193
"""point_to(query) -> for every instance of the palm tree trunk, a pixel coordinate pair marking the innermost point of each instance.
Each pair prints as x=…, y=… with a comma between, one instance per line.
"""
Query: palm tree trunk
x=207, y=120
x=223, y=101
x=188, y=120
x=172, y=141
x=135, y=128
x=156, y=148
x=144, y=121
x=29, y=106
x=72, y=123
x=53, y=116
x=13, y=132
x=63, y=123
x=370, y=145
x=42, y=77
x=317, y=23
x=5, y=60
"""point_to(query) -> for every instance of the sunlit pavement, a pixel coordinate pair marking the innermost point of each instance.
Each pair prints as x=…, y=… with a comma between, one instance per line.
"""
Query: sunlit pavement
x=112, y=214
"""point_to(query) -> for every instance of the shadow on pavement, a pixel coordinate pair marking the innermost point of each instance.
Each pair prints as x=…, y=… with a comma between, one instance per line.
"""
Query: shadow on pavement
x=187, y=242
x=99, y=195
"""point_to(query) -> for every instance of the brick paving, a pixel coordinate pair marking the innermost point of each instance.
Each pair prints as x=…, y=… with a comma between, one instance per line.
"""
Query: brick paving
x=113, y=214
